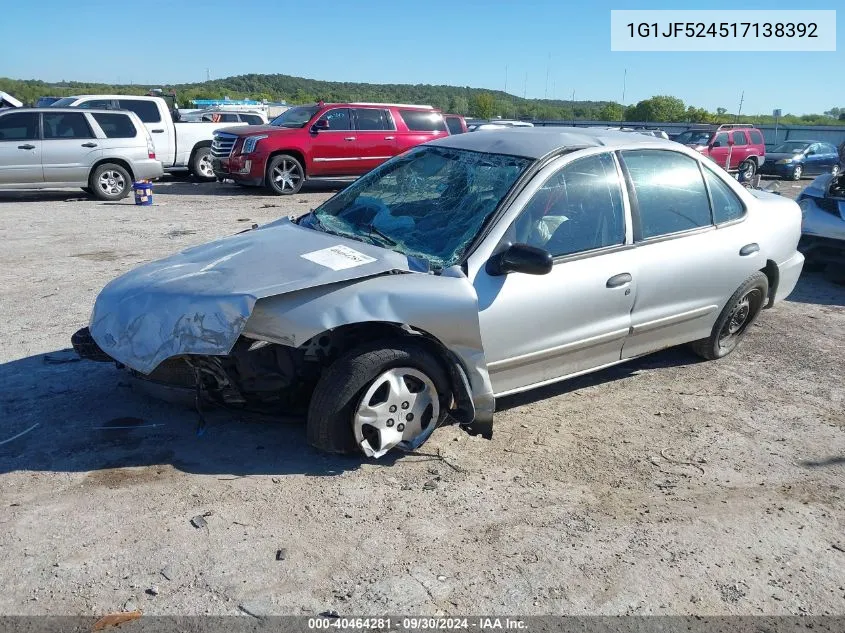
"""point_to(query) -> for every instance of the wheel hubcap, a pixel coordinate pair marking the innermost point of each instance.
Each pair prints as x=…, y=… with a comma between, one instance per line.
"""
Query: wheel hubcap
x=286, y=176
x=399, y=409
x=798, y=172
x=111, y=183
x=835, y=170
x=205, y=167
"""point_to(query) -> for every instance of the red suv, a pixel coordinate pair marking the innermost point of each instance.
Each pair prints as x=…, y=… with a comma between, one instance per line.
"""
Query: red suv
x=326, y=140
x=733, y=147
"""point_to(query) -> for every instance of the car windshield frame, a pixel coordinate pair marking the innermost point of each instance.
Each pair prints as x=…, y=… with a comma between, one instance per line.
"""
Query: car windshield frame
x=429, y=204
x=804, y=145
x=705, y=134
x=286, y=118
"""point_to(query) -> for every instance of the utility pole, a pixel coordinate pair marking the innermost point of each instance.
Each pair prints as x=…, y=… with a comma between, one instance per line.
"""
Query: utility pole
x=741, y=99
x=525, y=85
x=573, y=107
x=624, y=82
x=506, y=78
x=548, y=67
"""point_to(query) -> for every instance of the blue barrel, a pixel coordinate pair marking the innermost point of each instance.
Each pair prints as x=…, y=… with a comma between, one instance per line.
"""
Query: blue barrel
x=143, y=192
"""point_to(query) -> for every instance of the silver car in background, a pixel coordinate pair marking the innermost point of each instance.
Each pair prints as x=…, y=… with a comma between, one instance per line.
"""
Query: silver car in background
x=823, y=227
x=469, y=268
x=102, y=151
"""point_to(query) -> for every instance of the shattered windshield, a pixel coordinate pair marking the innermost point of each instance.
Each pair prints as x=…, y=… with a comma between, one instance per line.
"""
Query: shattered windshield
x=295, y=117
x=428, y=203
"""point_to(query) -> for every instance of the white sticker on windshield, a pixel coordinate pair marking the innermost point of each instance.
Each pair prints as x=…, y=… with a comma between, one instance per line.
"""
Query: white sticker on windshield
x=338, y=257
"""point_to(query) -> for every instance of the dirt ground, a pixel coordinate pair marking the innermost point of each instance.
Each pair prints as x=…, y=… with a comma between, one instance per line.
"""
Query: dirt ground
x=665, y=486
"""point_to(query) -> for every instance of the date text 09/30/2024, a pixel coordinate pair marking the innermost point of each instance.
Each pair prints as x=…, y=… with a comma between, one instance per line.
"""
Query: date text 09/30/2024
x=417, y=624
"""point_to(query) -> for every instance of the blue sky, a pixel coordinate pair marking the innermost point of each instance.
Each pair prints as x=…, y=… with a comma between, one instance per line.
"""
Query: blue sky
x=454, y=42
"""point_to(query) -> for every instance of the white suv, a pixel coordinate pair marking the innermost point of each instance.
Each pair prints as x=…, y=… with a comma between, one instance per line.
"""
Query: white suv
x=102, y=151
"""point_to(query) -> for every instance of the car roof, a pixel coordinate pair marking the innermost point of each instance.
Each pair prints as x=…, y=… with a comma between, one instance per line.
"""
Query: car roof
x=535, y=142
x=52, y=110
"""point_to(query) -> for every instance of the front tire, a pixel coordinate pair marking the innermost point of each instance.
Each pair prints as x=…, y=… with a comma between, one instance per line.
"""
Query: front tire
x=378, y=397
x=285, y=175
x=201, y=166
x=110, y=182
x=797, y=172
x=739, y=313
x=834, y=171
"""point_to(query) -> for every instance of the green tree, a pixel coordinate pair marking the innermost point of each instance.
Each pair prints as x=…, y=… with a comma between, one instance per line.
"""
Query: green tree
x=611, y=112
x=483, y=105
x=721, y=111
x=459, y=105
x=661, y=108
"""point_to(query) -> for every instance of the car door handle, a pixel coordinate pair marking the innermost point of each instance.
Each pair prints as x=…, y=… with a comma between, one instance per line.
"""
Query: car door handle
x=89, y=145
x=389, y=138
x=349, y=138
x=749, y=249
x=619, y=280
x=27, y=146
x=157, y=131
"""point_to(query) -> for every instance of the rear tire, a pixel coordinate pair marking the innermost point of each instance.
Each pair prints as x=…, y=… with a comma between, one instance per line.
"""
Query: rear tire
x=201, y=166
x=110, y=182
x=338, y=397
x=739, y=313
x=748, y=169
x=285, y=175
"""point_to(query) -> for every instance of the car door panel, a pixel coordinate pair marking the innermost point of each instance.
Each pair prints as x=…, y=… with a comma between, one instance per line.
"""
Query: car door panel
x=680, y=302
x=20, y=149
x=540, y=328
x=376, y=136
x=69, y=147
x=334, y=150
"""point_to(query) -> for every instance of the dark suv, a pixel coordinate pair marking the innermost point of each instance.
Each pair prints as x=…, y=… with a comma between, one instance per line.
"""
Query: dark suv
x=324, y=140
x=736, y=148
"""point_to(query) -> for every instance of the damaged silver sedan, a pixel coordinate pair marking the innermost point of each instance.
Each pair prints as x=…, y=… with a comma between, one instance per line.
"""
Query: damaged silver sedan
x=469, y=268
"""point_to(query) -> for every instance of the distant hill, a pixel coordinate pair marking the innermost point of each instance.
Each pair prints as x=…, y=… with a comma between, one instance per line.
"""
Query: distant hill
x=461, y=100
x=464, y=100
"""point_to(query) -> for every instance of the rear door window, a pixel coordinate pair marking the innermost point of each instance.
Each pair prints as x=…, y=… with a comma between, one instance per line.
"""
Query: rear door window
x=60, y=125
x=423, y=121
x=252, y=119
x=147, y=111
x=739, y=138
x=19, y=126
x=454, y=125
x=726, y=205
x=116, y=125
x=372, y=119
x=669, y=190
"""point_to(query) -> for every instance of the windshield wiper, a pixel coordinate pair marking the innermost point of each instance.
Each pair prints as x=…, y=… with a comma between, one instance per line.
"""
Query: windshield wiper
x=387, y=239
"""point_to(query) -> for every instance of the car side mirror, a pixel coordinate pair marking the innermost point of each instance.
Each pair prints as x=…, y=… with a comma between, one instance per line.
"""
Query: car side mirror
x=810, y=152
x=520, y=258
x=321, y=124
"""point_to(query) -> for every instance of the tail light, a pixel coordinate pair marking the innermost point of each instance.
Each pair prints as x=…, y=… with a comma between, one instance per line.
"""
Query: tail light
x=151, y=150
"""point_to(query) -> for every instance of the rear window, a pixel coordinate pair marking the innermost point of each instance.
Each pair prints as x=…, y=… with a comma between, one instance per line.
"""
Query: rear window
x=116, y=125
x=423, y=121
x=147, y=111
x=756, y=137
x=454, y=125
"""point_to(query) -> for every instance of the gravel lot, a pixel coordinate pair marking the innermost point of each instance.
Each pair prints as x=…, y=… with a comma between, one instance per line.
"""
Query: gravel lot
x=665, y=486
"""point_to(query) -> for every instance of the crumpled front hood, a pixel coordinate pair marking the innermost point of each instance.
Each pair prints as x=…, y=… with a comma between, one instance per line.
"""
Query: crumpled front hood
x=198, y=301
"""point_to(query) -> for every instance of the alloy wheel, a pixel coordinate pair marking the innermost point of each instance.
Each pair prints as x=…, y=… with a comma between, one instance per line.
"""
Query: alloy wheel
x=111, y=183
x=287, y=175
